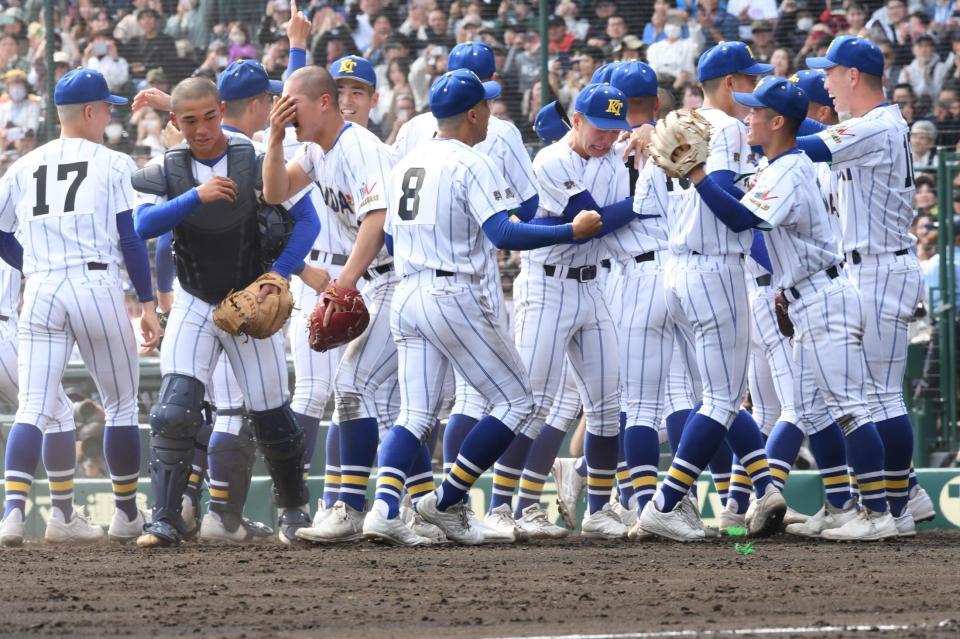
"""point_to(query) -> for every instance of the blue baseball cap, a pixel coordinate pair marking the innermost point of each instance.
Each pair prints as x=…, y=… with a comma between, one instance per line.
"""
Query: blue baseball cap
x=604, y=106
x=728, y=58
x=245, y=79
x=475, y=56
x=353, y=67
x=603, y=73
x=551, y=123
x=779, y=94
x=635, y=79
x=80, y=86
x=812, y=83
x=458, y=91
x=852, y=52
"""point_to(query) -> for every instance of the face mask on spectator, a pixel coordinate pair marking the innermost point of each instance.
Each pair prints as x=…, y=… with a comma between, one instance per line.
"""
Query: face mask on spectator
x=152, y=125
x=672, y=31
x=17, y=92
x=114, y=132
x=100, y=48
x=804, y=24
x=222, y=62
x=238, y=39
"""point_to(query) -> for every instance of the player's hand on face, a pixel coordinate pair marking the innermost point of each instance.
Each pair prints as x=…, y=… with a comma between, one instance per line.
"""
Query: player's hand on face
x=153, y=98
x=150, y=327
x=586, y=224
x=218, y=188
x=316, y=278
x=284, y=112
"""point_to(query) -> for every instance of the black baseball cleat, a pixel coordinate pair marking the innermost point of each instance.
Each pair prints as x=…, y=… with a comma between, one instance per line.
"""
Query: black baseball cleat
x=159, y=534
x=291, y=520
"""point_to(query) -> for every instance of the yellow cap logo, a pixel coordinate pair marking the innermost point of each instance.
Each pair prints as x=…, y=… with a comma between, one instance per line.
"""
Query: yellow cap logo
x=794, y=78
x=347, y=66
x=614, y=107
x=750, y=51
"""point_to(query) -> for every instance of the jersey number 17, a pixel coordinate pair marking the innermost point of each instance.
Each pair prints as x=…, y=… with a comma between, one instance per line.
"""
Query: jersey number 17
x=79, y=169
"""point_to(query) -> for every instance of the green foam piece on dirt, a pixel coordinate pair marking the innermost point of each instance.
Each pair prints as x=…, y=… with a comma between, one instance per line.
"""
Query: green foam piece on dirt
x=736, y=532
x=744, y=549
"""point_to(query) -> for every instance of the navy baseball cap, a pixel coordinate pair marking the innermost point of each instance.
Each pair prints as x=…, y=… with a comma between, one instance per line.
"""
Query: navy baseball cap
x=458, y=91
x=245, y=79
x=475, y=56
x=635, y=79
x=779, y=94
x=353, y=67
x=604, y=106
x=551, y=123
x=728, y=58
x=603, y=73
x=80, y=86
x=852, y=52
x=812, y=83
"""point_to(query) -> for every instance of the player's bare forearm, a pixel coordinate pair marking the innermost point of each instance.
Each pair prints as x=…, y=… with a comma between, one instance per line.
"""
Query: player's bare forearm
x=368, y=245
x=276, y=181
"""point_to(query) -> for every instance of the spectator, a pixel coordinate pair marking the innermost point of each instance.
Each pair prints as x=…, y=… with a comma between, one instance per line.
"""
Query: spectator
x=149, y=131
x=946, y=115
x=891, y=24
x=129, y=26
x=216, y=60
x=363, y=31
x=674, y=57
x=157, y=79
x=953, y=59
x=116, y=137
x=101, y=54
x=926, y=72
x=782, y=61
x=438, y=30
x=932, y=272
x=923, y=140
x=20, y=111
x=762, y=34
x=692, y=97
x=277, y=57
x=498, y=109
x=943, y=11
x=713, y=26
x=523, y=61
x=396, y=84
x=188, y=27
x=559, y=39
x=856, y=20
x=382, y=29
x=153, y=49
x=333, y=45
x=415, y=25
x=430, y=65
x=794, y=28
x=240, y=46
x=596, y=34
x=273, y=23
x=891, y=69
x=569, y=11
x=925, y=197
x=616, y=32
x=629, y=48
x=10, y=55
x=403, y=109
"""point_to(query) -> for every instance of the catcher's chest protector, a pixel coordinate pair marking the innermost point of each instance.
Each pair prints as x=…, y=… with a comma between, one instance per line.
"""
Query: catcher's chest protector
x=217, y=247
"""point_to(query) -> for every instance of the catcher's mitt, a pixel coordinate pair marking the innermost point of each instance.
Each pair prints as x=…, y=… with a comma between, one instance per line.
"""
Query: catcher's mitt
x=344, y=325
x=241, y=314
x=682, y=128
x=780, y=305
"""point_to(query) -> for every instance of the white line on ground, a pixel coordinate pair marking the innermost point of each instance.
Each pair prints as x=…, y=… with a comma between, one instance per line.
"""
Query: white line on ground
x=738, y=632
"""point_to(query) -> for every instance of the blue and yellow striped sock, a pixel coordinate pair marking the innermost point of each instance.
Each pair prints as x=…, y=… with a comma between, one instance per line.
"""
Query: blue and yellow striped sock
x=854, y=484
x=60, y=461
x=358, y=452
x=485, y=443
x=310, y=426
x=641, y=447
x=783, y=445
x=601, y=455
x=226, y=450
x=700, y=440
x=537, y=467
x=624, y=483
x=913, y=482
x=740, y=486
x=331, y=468
x=457, y=428
x=721, y=468
x=747, y=443
x=675, y=422
x=20, y=463
x=896, y=434
x=865, y=456
x=198, y=468
x=829, y=451
x=398, y=452
x=121, y=450
x=507, y=471
x=420, y=475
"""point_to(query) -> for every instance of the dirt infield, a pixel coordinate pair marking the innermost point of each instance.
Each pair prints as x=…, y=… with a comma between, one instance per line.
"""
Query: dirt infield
x=557, y=588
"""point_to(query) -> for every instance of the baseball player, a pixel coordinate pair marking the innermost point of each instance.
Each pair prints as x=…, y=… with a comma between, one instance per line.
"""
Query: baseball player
x=706, y=294
x=75, y=193
x=225, y=165
x=447, y=206
x=871, y=153
x=823, y=304
x=350, y=164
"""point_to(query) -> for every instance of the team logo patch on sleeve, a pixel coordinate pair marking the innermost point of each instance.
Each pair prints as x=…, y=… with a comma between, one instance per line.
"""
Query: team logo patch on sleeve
x=497, y=196
x=840, y=134
x=569, y=184
x=760, y=200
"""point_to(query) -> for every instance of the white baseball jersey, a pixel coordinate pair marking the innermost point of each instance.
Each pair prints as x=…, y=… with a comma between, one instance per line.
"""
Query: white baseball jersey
x=656, y=194
x=9, y=289
x=439, y=196
x=351, y=178
x=561, y=174
x=503, y=144
x=875, y=168
x=698, y=229
x=801, y=238
x=64, y=198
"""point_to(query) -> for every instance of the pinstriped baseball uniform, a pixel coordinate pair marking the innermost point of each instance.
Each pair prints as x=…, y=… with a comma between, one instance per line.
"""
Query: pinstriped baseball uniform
x=557, y=315
x=705, y=287
x=351, y=178
x=440, y=195
x=871, y=155
x=64, y=198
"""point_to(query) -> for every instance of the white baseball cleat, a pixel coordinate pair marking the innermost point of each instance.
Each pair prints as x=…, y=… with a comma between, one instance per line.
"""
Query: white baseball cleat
x=454, y=521
x=906, y=527
x=12, y=529
x=490, y=535
x=637, y=533
x=689, y=508
x=570, y=486
x=394, y=531
x=826, y=518
x=124, y=530
x=214, y=530
x=866, y=526
x=188, y=511
x=769, y=513
x=603, y=524
x=730, y=518
x=501, y=520
x=671, y=525
x=341, y=525
x=627, y=516
x=322, y=513
x=794, y=517
x=420, y=526
x=920, y=505
x=76, y=531
x=534, y=522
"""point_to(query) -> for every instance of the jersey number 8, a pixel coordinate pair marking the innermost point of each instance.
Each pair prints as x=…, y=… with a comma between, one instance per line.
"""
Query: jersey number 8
x=410, y=200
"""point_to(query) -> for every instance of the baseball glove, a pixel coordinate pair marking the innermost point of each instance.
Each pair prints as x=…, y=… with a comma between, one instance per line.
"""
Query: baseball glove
x=344, y=325
x=680, y=142
x=780, y=305
x=241, y=314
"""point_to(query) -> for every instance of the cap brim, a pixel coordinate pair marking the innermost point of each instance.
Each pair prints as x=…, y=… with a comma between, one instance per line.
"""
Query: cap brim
x=607, y=124
x=275, y=87
x=115, y=99
x=757, y=68
x=491, y=90
x=820, y=63
x=749, y=99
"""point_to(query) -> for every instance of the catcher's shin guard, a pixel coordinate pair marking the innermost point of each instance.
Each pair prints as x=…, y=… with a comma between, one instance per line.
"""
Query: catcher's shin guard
x=175, y=421
x=234, y=462
x=283, y=445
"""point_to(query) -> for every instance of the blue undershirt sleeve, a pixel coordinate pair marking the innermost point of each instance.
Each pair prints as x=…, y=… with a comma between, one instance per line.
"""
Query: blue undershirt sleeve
x=514, y=236
x=163, y=258
x=582, y=201
x=388, y=242
x=153, y=220
x=306, y=227
x=528, y=208
x=726, y=207
x=296, y=60
x=815, y=148
x=135, y=256
x=758, y=251
x=11, y=251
